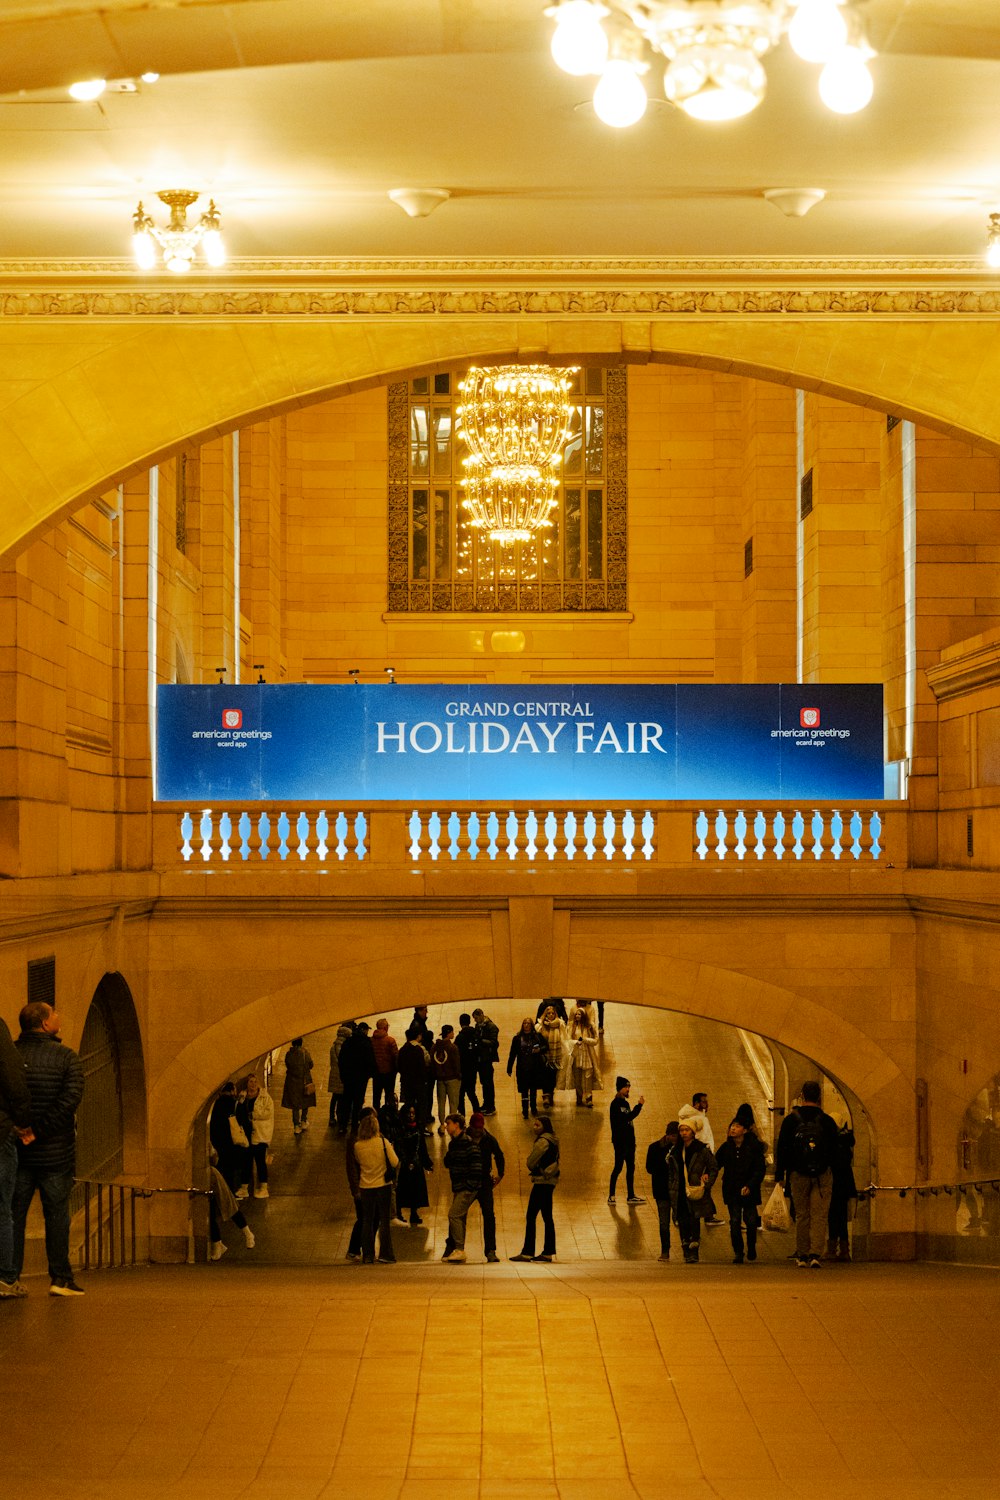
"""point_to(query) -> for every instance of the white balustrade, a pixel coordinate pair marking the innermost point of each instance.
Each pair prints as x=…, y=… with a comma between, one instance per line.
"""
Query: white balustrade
x=795, y=834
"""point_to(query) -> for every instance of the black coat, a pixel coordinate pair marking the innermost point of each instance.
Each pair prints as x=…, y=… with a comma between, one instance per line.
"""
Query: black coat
x=529, y=1060
x=661, y=1169
x=414, y=1161
x=357, y=1060
x=490, y=1152
x=464, y=1164
x=742, y=1168
x=15, y=1099
x=55, y=1083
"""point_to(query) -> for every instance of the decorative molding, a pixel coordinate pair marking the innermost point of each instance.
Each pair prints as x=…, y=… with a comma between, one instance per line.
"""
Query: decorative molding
x=967, y=672
x=487, y=287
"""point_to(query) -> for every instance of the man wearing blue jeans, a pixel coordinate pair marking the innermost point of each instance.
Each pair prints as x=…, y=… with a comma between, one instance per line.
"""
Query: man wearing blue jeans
x=55, y=1083
x=15, y=1123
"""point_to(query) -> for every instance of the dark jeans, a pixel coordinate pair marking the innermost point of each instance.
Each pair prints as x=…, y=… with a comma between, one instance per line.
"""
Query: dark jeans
x=214, y=1232
x=54, y=1189
x=258, y=1154
x=338, y=1114
x=376, y=1208
x=624, y=1157
x=299, y=1116
x=837, y=1220
x=600, y=1015
x=689, y=1225
x=8, y=1177
x=663, y=1211
x=231, y=1166
x=529, y=1099
x=540, y=1202
x=742, y=1211
x=354, y=1099
x=354, y=1243
x=486, y=1079
x=383, y=1087
x=485, y=1200
x=468, y=1088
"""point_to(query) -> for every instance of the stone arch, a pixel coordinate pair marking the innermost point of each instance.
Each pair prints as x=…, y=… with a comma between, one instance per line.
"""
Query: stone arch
x=118, y=396
x=113, y=1007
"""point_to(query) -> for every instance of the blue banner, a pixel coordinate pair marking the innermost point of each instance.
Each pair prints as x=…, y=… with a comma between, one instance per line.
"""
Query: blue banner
x=616, y=742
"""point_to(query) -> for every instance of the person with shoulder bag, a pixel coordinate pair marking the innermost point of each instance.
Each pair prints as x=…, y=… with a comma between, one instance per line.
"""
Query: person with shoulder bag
x=803, y=1161
x=378, y=1165
x=696, y=1172
x=299, y=1091
x=256, y=1115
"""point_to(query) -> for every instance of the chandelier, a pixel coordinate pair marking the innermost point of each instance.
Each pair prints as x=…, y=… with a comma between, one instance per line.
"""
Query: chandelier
x=713, y=51
x=179, y=241
x=516, y=421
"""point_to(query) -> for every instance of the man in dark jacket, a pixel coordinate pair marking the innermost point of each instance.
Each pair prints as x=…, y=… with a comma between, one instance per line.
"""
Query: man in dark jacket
x=741, y=1161
x=15, y=1125
x=488, y=1035
x=467, y=1042
x=55, y=1083
x=803, y=1160
x=623, y=1139
x=465, y=1167
x=493, y=1170
x=357, y=1066
x=660, y=1165
x=414, y=1067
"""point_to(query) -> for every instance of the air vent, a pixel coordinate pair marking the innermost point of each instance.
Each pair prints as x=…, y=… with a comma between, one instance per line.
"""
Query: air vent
x=806, y=495
x=42, y=980
x=748, y=557
x=969, y=843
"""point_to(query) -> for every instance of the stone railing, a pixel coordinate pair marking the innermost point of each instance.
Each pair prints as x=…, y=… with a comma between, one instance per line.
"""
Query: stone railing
x=324, y=836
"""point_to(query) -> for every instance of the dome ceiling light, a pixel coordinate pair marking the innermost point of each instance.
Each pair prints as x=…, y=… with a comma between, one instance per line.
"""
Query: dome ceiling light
x=713, y=51
x=515, y=420
x=179, y=241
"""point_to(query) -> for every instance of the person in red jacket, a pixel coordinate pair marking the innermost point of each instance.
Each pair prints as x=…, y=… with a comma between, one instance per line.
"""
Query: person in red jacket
x=386, y=1051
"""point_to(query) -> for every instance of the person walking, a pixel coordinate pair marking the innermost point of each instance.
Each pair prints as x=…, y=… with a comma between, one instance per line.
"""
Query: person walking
x=740, y=1159
x=525, y=1060
x=255, y=1112
x=623, y=1140
x=298, y=1091
x=698, y=1108
x=423, y=1026
x=377, y=1162
x=489, y=1055
x=552, y=1002
x=414, y=1068
x=335, y=1084
x=465, y=1168
x=447, y=1066
x=543, y=1169
x=223, y=1207
x=385, y=1052
x=662, y=1171
x=843, y=1189
x=493, y=1169
x=803, y=1161
x=15, y=1125
x=357, y=1066
x=467, y=1042
x=552, y=1030
x=582, y=1074
x=46, y=1163
x=227, y=1138
x=414, y=1164
x=695, y=1175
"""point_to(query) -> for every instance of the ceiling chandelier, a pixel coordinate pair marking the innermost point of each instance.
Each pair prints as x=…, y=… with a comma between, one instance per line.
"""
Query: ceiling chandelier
x=179, y=241
x=713, y=51
x=516, y=421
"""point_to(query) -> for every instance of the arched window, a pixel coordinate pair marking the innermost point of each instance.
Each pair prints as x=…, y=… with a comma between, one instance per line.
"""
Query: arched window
x=100, y=1140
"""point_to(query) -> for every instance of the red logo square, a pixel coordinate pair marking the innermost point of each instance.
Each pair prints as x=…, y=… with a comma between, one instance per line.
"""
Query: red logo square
x=809, y=718
x=232, y=718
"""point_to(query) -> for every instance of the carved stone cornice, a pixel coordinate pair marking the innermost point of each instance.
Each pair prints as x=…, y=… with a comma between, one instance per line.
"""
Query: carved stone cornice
x=966, y=671
x=557, y=287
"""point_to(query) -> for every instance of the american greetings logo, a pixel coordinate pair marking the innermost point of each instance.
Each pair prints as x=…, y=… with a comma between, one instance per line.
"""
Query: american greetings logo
x=232, y=718
x=809, y=718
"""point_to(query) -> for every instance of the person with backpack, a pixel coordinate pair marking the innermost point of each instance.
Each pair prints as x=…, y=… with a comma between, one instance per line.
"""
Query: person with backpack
x=489, y=1053
x=803, y=1161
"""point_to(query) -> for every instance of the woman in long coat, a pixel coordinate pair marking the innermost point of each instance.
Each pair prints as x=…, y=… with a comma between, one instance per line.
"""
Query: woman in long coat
x=414, y=1162
x=525, y=1060
x=553, y=1033
x=299, y=1091
x=581, y=1073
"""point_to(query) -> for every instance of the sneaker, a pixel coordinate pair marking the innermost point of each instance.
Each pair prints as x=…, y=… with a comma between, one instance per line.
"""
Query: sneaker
x=386, y=1260
x=545, y=1258
x=296, y=1129
x=800, y=1260
x=305, y=1124
x=242, y=1192
x=751, y=1256
x=65, y=1289
x=217, y=1250
x=249, y=1238
x=398, y=1219
x=815, y=1264
x=12, y=1289
x=522, y=1256
x=611, y=1198
x=456, y=1257
x=714, y=1223
x=665, y=1255
x=737, y=1260
x=489, y=1111
x=493, y=1259
x=634, y=1200
x=354, y=1255
x=262, y=1191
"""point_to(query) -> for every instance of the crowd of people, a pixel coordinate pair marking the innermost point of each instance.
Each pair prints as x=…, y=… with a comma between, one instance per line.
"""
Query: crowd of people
x=445, y=1082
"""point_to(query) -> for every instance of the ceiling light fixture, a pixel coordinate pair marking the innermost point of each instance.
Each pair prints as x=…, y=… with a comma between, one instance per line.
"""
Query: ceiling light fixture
x=87, y=89
x=993, y=242
x=713, y=51
x=516, y=421
x=179, y=241
x=417, y=203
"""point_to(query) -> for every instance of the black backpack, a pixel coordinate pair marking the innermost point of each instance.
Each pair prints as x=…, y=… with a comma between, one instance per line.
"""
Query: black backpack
x=810, y=1146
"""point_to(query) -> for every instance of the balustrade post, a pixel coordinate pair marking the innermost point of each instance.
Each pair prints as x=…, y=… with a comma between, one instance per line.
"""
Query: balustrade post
x=254, y=840
x=311, y=840
x=464, y=840
x=424, y=840
x=579, y=835
x=215, y=840
x=520, y=842
x=826, y=835
x=270, y=842
x=865, y=838
x=618, y=836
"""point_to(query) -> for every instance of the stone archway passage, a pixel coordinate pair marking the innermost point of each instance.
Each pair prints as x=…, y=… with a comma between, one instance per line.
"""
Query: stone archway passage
x=100, y=384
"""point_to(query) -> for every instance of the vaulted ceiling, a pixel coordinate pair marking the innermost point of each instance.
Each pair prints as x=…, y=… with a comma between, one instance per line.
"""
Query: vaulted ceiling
x=299, y=116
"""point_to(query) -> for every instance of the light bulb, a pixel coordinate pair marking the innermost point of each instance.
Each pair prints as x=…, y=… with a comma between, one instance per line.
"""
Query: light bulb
x=87, y=89
x=620, y=99
x=715, y=86
x=150, y=77
x=177, y=263
x=215, y=250
x=818, y=30
x=845, y=84
x=580, y=43
x=144, y=249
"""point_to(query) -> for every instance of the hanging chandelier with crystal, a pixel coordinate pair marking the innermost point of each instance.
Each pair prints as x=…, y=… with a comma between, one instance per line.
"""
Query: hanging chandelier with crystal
x=178, y=241
x=515, y=420
x=713, y=51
